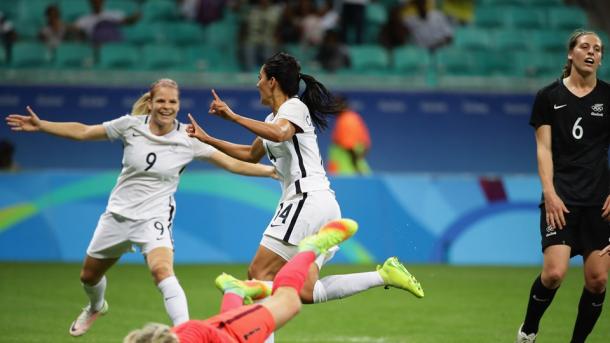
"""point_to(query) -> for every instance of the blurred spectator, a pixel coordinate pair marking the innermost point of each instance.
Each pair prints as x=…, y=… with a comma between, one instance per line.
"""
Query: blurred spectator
x=597, y=13
x=102, y=25
x=351, y=143
x=332, y=54
x=460, y=12
x=259, y=33
x=352, y=20
x=394, y=33
x=311, y=23
x=55, y=31
x=429, y=27
x=188, y=8
x=210, y=11
x=7, y=151
x=8, y=35
x=329, y=17
x=288, y=28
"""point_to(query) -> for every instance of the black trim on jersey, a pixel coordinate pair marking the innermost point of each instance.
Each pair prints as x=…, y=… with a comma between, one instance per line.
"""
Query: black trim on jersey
x=297, y=149
x=171, y=218
x=146, y=119
x=181, y=170
x=294, y=218
x=240, y=315
x=178, y=126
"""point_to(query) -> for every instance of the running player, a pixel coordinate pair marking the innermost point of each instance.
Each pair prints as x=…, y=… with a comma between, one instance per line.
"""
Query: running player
x=253, y=323
x=572, y=125
x=141, y=207
x=288, y=138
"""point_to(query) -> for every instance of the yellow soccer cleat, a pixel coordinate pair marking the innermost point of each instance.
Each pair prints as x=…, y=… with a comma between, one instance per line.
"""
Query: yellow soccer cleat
x=329, y=235
x=394, y=274
x=249, y=289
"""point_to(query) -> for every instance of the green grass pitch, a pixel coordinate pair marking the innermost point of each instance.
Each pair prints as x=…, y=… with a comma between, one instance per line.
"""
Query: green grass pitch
x=463, y=304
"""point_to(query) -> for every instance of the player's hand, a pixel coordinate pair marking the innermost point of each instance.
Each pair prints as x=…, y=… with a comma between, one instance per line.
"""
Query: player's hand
x=555, y=209
x=220, y=108
x=194, y=130
x=273, y=173
x=29, y=123
x=606, y=209
x=605, y=251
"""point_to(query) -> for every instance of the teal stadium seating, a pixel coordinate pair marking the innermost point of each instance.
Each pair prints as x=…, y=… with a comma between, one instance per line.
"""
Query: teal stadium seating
x=143, y=33
x=369, y=59
x=524, y=18
x=510, y=40
x=203, y=58
x=119, y=56
x=161, y=57
x=71, y=55
x=472, y=38
x=72, y=9
x=454, y=61
x=30, y=55
x=183, y=33
x=567, y=18
x=411, y=61
x=159, y=10
x=375, y=16
x=488, y=18
x=549, y=41
x=128, y=7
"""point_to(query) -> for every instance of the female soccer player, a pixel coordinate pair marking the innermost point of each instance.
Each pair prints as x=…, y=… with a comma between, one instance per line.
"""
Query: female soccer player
x=572, y=125
x=253, y=323
x=141, y=207
x=289, y=139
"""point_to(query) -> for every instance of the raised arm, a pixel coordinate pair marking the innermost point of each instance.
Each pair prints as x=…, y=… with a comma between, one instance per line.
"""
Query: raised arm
x=281, y=130
x=236, y=166
x=71, y=130
x=555, y=208
x=248, y=153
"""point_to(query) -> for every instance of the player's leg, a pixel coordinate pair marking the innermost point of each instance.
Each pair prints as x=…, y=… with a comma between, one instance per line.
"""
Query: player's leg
x=594, y=238
x=266, y=262
x=237, y=292
x=160, y=262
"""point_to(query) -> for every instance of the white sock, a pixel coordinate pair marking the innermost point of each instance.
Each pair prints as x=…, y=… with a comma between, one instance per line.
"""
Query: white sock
x=271, y=338
x=96, y=294
x=174, y=300
x=341, y=286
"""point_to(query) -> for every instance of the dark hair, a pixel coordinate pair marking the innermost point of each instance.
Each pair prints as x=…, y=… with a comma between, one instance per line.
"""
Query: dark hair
x=287, y=72
x=567, y=68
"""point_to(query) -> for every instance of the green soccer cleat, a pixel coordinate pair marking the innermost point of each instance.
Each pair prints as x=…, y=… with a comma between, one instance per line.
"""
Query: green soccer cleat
x=249, y=289
x=394, y=274
x=329, y=235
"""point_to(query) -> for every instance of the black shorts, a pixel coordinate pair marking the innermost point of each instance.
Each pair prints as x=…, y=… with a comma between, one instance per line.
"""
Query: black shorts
x=584, y=232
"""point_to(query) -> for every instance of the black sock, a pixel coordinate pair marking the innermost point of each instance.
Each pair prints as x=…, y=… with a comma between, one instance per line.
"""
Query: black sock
x=589, y=309
x=540, y=299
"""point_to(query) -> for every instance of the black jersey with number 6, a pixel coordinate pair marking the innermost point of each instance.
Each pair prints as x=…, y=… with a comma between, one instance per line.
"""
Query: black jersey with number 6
x=580, y=131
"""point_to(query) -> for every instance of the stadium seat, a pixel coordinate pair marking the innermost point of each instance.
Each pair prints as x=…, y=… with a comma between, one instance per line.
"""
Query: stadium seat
x=128, y=7
x=375, y=14
x=488, y=18
x=9, y=9
x=31, y=10
x=119, y=56
x=496, y=63
x=304, y=54
x=207, y=59
x=541, y=65
x=70, y=55
x=472, y=38
x=72, y=9
x=549, y=40
x=27, y=30
x=567, y=18
x=159, y=10
x=368, y=58
x=510, y=40
x=30, y=55
x=524, y=18
x=456, y=62
x=161, y=56
x=183, y=33
x=144, y=33
x=498, y=2
x=410, y=60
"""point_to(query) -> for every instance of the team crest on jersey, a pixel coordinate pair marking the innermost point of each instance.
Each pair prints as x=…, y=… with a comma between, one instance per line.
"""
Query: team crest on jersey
x=598, y=110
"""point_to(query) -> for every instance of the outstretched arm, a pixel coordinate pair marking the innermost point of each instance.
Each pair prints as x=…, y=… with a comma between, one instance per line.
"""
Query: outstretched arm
x=248, y=153
x=554, y=206
x=236, y=166
x=71, y=130
x=280, y=131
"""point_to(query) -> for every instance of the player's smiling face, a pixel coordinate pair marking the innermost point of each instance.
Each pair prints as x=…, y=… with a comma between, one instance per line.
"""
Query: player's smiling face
x=264, y=87
x=164, y=106
x=586, y=54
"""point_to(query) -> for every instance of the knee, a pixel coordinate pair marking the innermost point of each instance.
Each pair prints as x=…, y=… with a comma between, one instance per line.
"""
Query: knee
x=306, y=295
x=596, y=283
x=161, y=271
x=89, y=277
x=255, y=272
x=553, y=277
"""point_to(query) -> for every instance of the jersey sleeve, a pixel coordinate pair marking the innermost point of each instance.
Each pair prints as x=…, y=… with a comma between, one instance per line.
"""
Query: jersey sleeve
x=540, y=111
x=295, y=112
x=202, y=150
x=115, y=129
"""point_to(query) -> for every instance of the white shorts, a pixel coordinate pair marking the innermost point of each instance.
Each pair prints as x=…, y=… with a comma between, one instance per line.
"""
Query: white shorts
x=116, y=235
x=303, y=215
x=287, y=251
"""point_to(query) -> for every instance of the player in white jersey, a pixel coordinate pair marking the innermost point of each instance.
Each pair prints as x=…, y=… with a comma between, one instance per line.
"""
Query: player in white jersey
x=141, y=207
x=288, y=137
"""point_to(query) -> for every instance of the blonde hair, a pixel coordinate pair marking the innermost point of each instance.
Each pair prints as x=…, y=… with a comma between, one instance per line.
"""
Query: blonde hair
x=567, y=68
x=141, y=105
x=151, y=333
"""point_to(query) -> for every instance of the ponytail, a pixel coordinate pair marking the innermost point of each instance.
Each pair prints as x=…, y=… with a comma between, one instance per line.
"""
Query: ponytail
x=141, y=105
x=319, y=101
